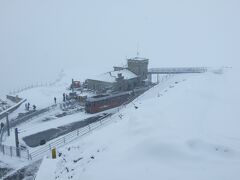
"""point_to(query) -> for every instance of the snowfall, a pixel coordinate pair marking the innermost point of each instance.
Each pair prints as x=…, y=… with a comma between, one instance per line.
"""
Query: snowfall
x=186, y=127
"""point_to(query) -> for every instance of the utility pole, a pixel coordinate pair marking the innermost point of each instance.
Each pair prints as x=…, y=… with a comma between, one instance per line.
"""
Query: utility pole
x=8, y=126
x=17, y=143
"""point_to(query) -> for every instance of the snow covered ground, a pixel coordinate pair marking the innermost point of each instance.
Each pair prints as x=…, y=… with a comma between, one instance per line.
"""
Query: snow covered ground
x=185, y=129
x=43, y=97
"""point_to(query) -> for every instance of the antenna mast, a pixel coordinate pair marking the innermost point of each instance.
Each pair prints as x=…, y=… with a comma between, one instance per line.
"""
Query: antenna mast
x=138, y=50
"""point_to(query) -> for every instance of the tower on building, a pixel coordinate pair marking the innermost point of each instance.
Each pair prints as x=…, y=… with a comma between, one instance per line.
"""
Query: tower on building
x=138, y=66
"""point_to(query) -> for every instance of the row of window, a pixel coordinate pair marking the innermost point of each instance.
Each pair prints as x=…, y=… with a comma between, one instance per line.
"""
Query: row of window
x=109, y=100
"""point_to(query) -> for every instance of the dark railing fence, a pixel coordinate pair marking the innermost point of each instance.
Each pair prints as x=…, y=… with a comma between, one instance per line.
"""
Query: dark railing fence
x=39, y=153
x=14, y=152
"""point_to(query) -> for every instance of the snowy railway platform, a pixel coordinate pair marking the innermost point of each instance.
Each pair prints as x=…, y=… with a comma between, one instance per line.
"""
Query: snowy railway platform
x=34, y=140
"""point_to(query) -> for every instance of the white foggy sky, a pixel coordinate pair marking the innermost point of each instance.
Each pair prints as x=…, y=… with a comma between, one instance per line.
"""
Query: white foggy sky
x=38, y=38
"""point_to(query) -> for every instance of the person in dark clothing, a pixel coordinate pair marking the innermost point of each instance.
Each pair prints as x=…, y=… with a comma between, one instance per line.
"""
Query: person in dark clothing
x=2, y=125
x=55, y=100
x=28, y=106
x=34, y=107
x=64, y=97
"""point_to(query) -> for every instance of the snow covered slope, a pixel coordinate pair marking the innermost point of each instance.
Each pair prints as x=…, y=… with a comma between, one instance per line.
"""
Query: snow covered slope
x=185, y=129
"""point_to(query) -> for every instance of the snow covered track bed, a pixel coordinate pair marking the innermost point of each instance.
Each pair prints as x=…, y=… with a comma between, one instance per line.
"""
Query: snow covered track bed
x=186, y=129
x=49, y=134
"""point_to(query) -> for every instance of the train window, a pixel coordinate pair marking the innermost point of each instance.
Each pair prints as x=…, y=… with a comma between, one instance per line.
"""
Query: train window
x=97, y=103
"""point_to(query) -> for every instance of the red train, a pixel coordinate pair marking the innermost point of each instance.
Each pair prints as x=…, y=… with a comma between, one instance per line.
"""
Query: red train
x=107, y=101
x=103, y=102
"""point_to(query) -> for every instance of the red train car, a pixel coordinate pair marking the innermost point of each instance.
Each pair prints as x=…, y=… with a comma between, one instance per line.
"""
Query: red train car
x=103, y=102
x=107, y=101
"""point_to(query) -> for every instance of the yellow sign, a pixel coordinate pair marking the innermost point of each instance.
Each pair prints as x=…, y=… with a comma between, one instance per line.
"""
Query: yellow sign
x=54, y=153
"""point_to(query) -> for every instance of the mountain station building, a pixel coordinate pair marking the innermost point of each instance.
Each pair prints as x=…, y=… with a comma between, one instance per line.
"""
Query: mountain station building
x=121, y=78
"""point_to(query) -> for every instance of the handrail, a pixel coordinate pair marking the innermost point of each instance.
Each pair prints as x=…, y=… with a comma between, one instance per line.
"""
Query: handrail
x=11, y=109
x=174, y=70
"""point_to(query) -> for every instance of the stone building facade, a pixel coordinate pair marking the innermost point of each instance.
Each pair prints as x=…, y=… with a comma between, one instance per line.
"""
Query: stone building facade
x=139, y=66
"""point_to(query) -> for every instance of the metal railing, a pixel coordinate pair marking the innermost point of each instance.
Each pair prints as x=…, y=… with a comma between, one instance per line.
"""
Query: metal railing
x=177, y=70
x=45, y=149
x=30, y=116
x=14, y=152
x=38, y=84
x=13, y=123
x=11, y=109
x=68, y=138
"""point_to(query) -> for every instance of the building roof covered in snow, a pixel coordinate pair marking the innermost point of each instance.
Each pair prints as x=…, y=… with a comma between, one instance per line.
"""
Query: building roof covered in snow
x=112, y=75
x=138, y=59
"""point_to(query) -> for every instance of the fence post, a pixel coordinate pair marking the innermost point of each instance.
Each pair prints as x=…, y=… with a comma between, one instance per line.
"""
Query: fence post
x=50, y=147
x=8, y=126
x=78, y=132
x=28, y=155
x=89, y=127
x=3, y=150
x=11, y=151
x=64, y=140
x=17, y=143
